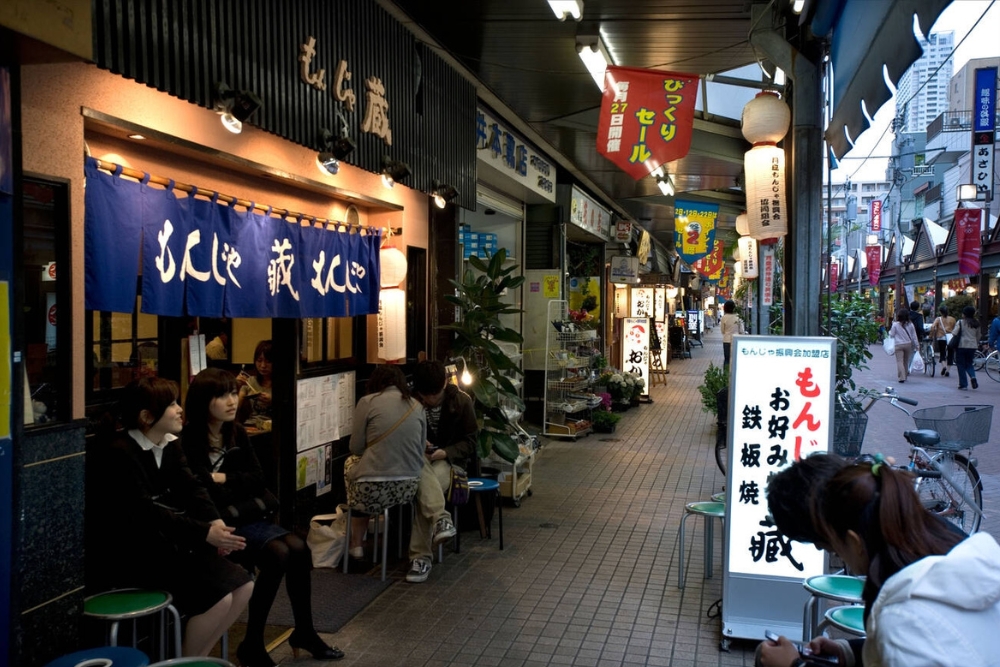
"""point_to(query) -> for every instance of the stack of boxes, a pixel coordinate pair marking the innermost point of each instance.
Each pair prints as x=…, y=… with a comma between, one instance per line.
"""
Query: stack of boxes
x=476, y=244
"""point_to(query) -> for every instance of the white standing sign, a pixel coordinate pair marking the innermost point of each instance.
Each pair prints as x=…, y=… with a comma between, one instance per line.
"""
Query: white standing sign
x=781, y=410
x=635, y=352
x=642, y=302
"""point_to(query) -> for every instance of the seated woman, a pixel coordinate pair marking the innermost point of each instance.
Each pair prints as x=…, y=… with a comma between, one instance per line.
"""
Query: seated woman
x=255, y=390
x=223, y=459
x=387, y=447
x=931, y=598
x=151, y=524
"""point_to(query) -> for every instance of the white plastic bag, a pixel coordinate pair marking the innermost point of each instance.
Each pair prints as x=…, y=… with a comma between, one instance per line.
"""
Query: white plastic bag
x=889, y=345
x=917, y=364
x=327, y=538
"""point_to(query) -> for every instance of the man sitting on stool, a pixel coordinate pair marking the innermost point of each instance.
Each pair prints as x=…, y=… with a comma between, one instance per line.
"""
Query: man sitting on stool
x=452, y=433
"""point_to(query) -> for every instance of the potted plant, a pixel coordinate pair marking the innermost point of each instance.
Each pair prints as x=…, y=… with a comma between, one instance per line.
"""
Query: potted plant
x=478, y=298
x=716, y=380
x=638, y=385
x=621, y=393
x=605, y=421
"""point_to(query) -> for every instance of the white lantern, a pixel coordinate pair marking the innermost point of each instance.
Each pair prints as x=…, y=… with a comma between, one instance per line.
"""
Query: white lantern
x=766, y=118
x=748, y=257
x=736, y=254
x=672, y=292
x=765, y=177
x=738, y=269
x=392, y=324
x=392, y=264
x=742, y=224
x=621, y=302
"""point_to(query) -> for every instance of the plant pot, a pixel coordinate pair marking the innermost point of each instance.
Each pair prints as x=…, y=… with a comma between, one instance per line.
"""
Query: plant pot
x=605, y=428
x=634, y=402
x=620, y=407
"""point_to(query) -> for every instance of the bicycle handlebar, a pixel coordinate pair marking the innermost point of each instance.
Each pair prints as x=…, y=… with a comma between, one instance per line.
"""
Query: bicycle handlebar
x=908, y=401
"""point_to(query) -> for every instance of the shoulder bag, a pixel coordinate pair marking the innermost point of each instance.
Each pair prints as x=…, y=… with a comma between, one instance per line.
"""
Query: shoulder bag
x=956, y=336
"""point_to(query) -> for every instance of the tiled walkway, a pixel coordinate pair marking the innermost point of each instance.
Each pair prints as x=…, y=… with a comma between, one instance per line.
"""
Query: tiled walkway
x=588, y=574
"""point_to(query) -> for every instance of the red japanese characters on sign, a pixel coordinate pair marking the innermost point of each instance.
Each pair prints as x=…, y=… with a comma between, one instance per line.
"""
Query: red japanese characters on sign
x=647, y=118
x=874, y=256
x=876, y=215
x=967, y=231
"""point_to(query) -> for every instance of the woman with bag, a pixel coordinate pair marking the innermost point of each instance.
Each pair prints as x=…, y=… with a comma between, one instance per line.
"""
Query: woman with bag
x=904, y=336
x=152, y=525
x=730, y=325
x=965, y=340
x=223, y=458
x=940, y=334
x=387, y=447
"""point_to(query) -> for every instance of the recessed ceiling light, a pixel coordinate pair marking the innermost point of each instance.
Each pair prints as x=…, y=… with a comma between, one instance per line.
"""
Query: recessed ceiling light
x=137, y=137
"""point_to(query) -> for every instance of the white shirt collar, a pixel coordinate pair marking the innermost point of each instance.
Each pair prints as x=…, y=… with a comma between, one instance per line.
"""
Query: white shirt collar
x=147, y=444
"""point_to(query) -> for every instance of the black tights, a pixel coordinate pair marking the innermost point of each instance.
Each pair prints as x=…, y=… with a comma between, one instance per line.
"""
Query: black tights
x=286, y=556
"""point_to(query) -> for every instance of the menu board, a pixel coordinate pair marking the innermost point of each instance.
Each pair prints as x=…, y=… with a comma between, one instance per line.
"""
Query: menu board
x=325, y=409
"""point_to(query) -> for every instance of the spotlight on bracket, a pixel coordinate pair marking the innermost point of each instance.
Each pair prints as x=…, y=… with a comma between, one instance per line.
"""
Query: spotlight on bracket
x=442, y=193
x=333, y=149
x=393, y=171
x=235, y=106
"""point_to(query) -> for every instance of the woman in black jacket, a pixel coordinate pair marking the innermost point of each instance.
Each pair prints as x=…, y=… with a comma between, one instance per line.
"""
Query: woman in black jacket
x=151, y=524
x=223, y=458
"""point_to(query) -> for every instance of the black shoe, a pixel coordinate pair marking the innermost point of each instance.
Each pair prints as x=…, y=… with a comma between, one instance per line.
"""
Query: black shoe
x=312, y=643
x=975, y=385
x=254, y=655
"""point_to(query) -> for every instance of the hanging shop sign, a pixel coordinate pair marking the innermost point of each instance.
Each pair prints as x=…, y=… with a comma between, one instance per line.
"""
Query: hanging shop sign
x=635, y=351
x=874, y=255
x=659, y=304
x=711, y=265
x=694, y=229
x=834, y=275
x=624, y=269
x=642, y=301
x=983, y=128
x=621, y=302
x=968, y=227
x=497, y=146
x=875, y=215
x=782, y=399
x=586, y=213
x=767, y=264
x=647, y=118
x=206, y=259
x=623, y=231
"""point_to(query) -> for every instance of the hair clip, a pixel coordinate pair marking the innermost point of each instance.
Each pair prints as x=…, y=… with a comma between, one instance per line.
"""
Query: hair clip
x=877, y=466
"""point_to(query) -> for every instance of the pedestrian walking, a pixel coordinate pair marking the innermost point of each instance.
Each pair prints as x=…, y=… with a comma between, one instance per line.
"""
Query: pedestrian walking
x=968, y=340
x=904, y=335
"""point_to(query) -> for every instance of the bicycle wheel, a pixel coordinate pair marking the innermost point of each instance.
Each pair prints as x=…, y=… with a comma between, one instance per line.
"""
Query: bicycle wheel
x=929, y=359
x=978, y=360
x=947, y=501
x=992, y=366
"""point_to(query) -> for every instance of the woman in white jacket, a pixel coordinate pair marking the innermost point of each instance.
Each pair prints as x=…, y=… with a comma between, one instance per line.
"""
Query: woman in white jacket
x=904, y=335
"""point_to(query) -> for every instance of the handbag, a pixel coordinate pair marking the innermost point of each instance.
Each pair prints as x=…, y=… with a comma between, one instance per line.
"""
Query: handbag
x=327, y=538
x=956, y=336
x=889, y=345
x=251, y=510
x=458, y=492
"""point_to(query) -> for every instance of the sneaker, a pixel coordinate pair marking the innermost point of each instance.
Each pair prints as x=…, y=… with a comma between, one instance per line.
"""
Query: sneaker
x=357, y=552
x=419, y=571
x=444, y=530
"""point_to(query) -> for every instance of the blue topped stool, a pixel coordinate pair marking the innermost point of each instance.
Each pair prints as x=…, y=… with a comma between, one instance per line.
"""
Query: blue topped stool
x=708, y=510
x=478, y=485
x=105, y=656
x=129, y=604
x=836, y=587
x=848, y=618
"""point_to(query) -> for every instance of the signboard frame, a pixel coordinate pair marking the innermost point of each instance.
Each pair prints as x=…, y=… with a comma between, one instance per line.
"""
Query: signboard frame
x=744, y=615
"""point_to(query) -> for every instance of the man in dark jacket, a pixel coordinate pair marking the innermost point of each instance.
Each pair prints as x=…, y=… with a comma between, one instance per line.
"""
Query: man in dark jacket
x=452, y=434
x=918, y=320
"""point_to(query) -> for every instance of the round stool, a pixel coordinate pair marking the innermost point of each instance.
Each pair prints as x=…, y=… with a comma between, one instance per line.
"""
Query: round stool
x=848, y=618
x=707, y=510
x=105, y=656
x=194, y=662
x=129, y=604
x=719, y=497
x=478, y=485
x=836, y=587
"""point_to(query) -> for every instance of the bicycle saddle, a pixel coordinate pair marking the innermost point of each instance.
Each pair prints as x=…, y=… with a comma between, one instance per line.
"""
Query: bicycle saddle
x=922, y=437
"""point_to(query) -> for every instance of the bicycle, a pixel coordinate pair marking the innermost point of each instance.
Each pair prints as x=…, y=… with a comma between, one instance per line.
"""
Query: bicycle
x=927, y=354
x=947, y=481
x=987, y=359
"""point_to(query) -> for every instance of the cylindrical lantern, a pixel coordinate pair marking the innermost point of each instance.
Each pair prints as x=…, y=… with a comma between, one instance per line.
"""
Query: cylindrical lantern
x=766, y=118
x=621, y=302
x=392, y=324
x=765, y=182
x=748, y=257
x=742, y=224
x=738, y=269
x=736, y=254
x=393, y=267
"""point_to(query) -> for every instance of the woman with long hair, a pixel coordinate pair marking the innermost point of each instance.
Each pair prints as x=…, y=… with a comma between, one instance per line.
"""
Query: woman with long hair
x=904, y=335
x=223, y=458
x=151, y=524
x=931, y=597
x=255, y=389
x=967, y=331
x=943, y=325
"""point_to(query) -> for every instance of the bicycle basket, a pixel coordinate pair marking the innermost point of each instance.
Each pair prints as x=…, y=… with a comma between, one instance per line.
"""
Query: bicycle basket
x=849, y=425
x=960, y=426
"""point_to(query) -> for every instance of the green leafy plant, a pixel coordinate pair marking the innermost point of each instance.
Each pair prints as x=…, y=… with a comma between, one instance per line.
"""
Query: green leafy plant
x=716, y=379
x=852, y=322
x=605, y=418
x=599, y=362
x=956, y=304
x=479, y=300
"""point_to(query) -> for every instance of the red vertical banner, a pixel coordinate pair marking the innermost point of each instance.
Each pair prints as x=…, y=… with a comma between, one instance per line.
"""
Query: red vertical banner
x=834, y=276
x=712, y=264
x=647, y=118
x=875, y=215
x=968, y=230
x=874, y=256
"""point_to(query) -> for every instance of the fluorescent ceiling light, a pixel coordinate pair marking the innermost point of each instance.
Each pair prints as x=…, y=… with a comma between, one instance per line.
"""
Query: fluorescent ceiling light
x=595, y=57
x=666, y=186
x=797, y=6
x=565, y=8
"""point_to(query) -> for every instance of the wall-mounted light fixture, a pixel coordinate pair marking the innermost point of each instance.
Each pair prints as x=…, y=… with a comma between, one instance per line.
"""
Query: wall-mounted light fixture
x=333, y=149
x=393, y=171
x=442, y=193
x=235, y=106
x=966, y=192
x=563, y=9
x=594, y=54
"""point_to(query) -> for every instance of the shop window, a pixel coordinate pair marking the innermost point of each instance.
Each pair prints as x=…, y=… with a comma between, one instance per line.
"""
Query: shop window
x=123, y=347
x=326, y=340
x=45, y=284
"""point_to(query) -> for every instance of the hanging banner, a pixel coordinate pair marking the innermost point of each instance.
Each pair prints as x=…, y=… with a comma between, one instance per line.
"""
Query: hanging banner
x=874, y=255
x=968, y=228
x=834, y=275
x=983, y=127
x=647, y=118
x=694, y=229
x=875, y=215
x=711, y=265
x=767, y=261
x=203, y=258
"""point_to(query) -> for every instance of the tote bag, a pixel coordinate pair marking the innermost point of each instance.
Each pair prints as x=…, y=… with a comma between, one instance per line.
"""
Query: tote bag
x=327, y=538
x=889, y=345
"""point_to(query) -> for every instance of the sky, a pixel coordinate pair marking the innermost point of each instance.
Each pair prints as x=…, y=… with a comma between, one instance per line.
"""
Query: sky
x=958, y=17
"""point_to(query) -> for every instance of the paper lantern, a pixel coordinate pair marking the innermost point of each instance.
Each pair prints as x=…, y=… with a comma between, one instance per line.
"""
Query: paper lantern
x=738, y=269
x=393, y=267
x=672, y=292
x=748, y=257
x=736, y=254
x=392, y=324
x=742, y=224
x=621, y=302
x=765, y=181
x=766, y=118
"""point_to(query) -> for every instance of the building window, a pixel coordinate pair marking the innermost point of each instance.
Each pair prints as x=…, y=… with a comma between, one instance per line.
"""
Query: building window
x=123, y=347
x=326, y=340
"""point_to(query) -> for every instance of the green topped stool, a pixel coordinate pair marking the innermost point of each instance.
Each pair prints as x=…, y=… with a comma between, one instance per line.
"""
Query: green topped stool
x=719, y=497
x=848, y=618
x=129, y=604
x=194, y=662
x=113, y=656
x=836, y=587
x=707, y=510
